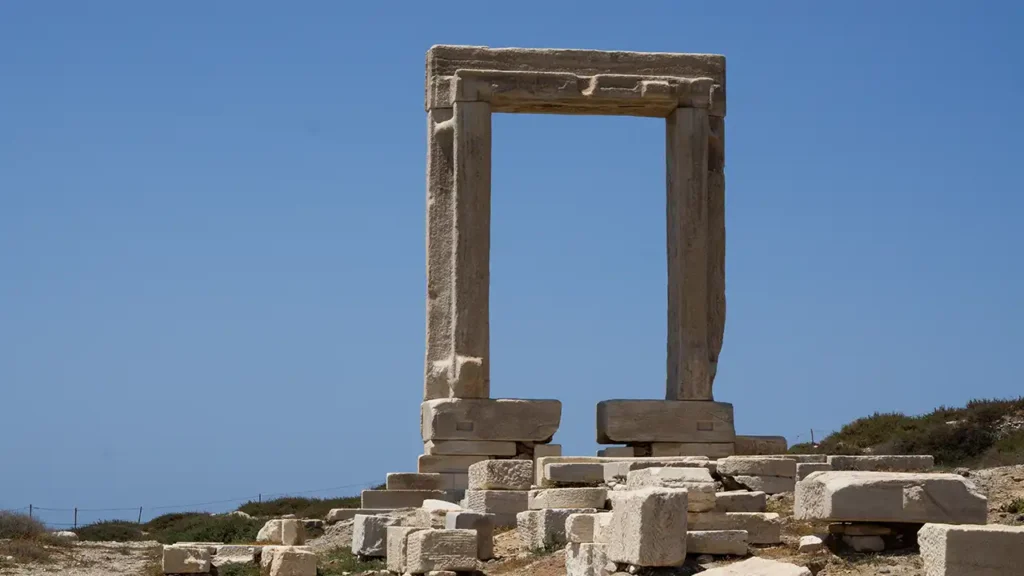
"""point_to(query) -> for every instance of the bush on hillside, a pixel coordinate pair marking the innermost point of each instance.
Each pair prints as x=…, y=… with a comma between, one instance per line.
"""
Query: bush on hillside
x=206, y=528
x=301, y=507
x=110, y=531
x=14, y=525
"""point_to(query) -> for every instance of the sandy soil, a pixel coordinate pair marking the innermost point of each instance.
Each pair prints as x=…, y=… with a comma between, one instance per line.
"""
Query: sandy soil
x=93, y=559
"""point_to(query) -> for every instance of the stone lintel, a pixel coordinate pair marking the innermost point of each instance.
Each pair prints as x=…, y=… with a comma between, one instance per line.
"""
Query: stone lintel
x=634, y=421
x=490, y=419
x=444, y=61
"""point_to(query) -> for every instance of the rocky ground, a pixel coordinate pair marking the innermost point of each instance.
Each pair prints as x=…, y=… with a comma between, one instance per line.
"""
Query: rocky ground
x=1001, y=485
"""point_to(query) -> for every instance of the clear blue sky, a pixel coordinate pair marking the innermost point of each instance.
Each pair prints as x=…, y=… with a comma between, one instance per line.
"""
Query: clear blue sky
x=212, y=231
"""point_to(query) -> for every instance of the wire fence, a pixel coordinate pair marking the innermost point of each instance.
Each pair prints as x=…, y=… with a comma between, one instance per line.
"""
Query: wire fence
x=79, y=516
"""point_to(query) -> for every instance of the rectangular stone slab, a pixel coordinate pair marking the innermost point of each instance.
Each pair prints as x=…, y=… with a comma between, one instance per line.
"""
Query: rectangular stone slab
x=486, y=419
x=993, y=550
x=896, y=463
x=889, y=497
x=629, y=421
x=753, y=445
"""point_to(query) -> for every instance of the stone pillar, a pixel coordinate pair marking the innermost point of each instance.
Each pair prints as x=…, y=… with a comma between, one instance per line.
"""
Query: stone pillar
x=470, y=367
x=716, y=243
x=440, y=212
x=687, y=135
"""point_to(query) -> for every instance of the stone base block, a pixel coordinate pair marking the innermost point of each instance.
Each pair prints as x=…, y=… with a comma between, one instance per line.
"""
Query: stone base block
x=568, y=474
x=760, y=445
x=756, y=466
x=977, y=550
x=805, y=469
x=580, y=528
x=568, y=498
x=485, y=419
x=370, y=535
x=543, y=530
x=431, y=550
x=648, y=527
x=882, y=463
x=761, y=527
x=697, y=482
x=717, y=542
x=767, y=484
x=587, y=559
x=501, y=475
x=293, y=562
x=396, y=546
x=889, y=497
x=504, y=504
x=686, y=421
x=415, y=481
x=482, y=523
x=709, y=449
x=469, y=448
x=186, y=560
x=391, y=499
x=741, y=501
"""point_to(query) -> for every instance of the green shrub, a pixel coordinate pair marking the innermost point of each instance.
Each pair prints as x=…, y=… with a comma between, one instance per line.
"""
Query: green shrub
x=202, y=527
x=17, y=525
x=301, y=507
x=1015, y=507
x=110, y=531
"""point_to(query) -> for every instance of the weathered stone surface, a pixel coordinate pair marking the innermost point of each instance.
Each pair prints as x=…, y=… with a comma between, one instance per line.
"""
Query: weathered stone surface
x=882, y=463
x=580, y=528
x=599, y=80
x=573, y=474
x=742, y=465
x=544, y=529
x=697, y=481
x=767, y=484
x=759, y=567
x=616, y=452
x=482, y=523
x=568, y=498
x=586, y=559
x=809, y=544
x=469, y=448
x=648, y=527
x=483, y=419
x=370, y=535
x=618, y=470
x=501, y=475
x=293, y=562
x=186, y=560
x=630, y=421
x=339, y=514
x=504, y=504
x=210, y=547
x=602, y=527
x=414, y=481
x=741, y=501
x=391, y=499
x=718, y=542
x=440, y=249
x=709, y=449
x=546, y=450
x=761, y=527
x=889, y=497
x=235, y=554
x=760, y=445
x=428, y=550
x=396, y=546
x=864, y=543
x=804, y=469
x=293, y=532
x=447, y=464
x=270, y=532
x=65, y=535
x=267, y=554
x=436, y=511
x=992, y=550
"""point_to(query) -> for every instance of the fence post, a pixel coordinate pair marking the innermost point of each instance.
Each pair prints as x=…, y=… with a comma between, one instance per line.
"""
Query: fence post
x=259, y=498
x=140, y=515
x=76, y=517
x=30, y=511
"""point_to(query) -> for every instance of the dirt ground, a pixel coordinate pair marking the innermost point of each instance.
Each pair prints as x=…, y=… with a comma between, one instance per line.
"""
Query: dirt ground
x=1001, y=485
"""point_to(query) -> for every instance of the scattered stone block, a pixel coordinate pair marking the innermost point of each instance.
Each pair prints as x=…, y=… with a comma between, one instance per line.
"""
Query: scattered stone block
x=580, y=528
x=186, y=560
x=370, y=535
x=804, y=469
x=504, y=504
x=482, y=523
x=430, y=550
x=339, y=514
x=293, y=562
x=437, y=510
x=293, y=532
x=632, y=421
x=648, y=527
x=991, y=550
x=709, y=449
x=501, y=475
x=697, y=482
x=767, y=484
x=415, y=481
x=210, y=547
x=270, y=532
x=469, y=448
x=747, y=466
x=587, y=559
x=567, y=498
x=65, y=535
x=882, y=463
x=864, y=543
x=717, y=542
x=761, y=527
x=235, y=554
x=759, y=567
x=396, y=546
x=760, y=445
x=741, y=501
x=616, y=452
x=546, y=450
x=544, y=529
x=618, y=470
x=889, y=497
x=267, y=554
x=487, y=419
x=445, y=464
x=810, y=544
x=573, y=474
x=391, y=499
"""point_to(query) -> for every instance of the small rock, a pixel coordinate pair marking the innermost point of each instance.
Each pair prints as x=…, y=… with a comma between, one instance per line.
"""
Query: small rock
x=865, y=543
x=66, y=534
x=288, y=517
x=810, y=544
x=705, y=559
x=965, y=472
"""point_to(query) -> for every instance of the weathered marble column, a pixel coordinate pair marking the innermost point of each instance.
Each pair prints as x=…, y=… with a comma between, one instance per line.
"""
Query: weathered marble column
x=440, y=212
x=686, y=149
x=716, y=243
